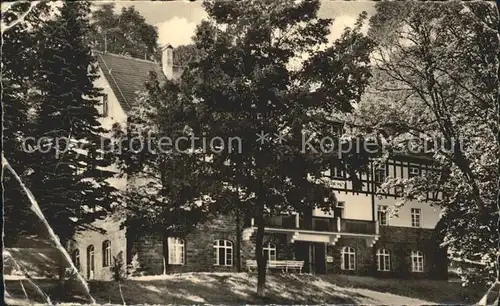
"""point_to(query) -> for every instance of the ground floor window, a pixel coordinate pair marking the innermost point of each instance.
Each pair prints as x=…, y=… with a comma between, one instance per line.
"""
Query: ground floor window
x=270, y=251
x=383, y=260
x=417, y=261
x=90, y=262
x=348, y=259
x=223, y=250
x=75, y=256
x=175, y=251
x=106, y=253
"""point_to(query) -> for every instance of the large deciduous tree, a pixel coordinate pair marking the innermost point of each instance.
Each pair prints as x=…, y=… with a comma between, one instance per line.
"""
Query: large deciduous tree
x=436, y=89
x=164, y=185
x=249, y=80
x=125, y=33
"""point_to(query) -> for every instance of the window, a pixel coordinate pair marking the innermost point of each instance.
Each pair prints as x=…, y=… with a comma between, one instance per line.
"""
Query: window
x=382, y=214
x=339, y=210
x=415, y=217
x=398, y=191
x=338, y=130
x=337, y=172
x=90, y=262
x=417, y=261
x=223, y=252
x=175, y=251
x=380, y=175
x=105, y=105
x=75, y=257
x=383, y=260
x=106, y=253
x=413, y=171
x=348, y=259
x=270, y=251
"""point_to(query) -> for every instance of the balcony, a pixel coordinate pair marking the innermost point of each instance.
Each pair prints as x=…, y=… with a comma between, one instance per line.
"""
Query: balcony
x=323, y=224
x=318, y=229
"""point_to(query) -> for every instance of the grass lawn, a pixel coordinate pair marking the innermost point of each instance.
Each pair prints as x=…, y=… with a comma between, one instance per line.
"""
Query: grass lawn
x=441, y=292
x=239, y=288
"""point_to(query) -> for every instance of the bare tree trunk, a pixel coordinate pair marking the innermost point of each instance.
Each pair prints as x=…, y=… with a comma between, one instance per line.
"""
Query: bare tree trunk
x=261, y=260
x=165, y=253
x=238, y=241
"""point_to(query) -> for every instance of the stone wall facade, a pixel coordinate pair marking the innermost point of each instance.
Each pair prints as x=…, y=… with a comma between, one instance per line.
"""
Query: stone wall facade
x=199, y=255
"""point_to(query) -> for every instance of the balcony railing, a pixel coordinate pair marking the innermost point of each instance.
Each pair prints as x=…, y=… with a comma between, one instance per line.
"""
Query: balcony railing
x=323, y=224
x=357, y=226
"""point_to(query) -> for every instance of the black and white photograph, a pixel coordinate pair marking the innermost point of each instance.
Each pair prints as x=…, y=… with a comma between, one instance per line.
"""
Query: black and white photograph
x=250, y=152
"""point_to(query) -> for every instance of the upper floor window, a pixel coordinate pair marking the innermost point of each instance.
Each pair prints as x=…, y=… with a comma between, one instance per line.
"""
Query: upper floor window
x=383, y=260
x=339, y=210
x=416, y=217
x=223, y=252
x=106, y=253
x=380, y=175
x=75, y=256
x=398, y=191
x=382, y=214
x=270, y=251
x=348, y=259
x=413, y=171
x=105, y=105
x=175, y=251
x=417, y=261
x=337, y=172
x=338, y=130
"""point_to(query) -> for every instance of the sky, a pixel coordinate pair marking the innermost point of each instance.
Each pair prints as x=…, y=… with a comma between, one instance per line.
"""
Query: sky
x=177, y=20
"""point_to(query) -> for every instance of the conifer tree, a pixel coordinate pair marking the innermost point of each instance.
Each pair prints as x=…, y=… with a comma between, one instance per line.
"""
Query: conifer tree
x=70, y=170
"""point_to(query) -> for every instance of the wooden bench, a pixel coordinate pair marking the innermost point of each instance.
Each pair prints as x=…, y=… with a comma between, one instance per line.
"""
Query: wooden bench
x=284, y=265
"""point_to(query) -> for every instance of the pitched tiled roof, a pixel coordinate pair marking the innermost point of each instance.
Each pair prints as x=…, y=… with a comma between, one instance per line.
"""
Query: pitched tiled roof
x=126, y=76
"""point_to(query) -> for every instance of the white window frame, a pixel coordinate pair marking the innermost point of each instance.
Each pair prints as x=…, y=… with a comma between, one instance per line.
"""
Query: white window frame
x=416, y=215
x=270, y=248
x=75, y=256
x=337, y=172
x=417, y=261
x=106, y=253
x=90, y=261
x=176, y=251
x=341, y=205
x=382, y=209
x=383, y=260
x=226, y=246
x=411, y=173
x=376, y=176
x=105, y=105
x=350, y=254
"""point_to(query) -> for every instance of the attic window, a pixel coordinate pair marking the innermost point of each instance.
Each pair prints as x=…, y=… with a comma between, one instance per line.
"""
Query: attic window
x=105, y=105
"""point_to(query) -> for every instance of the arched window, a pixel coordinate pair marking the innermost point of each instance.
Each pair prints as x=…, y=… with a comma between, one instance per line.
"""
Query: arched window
x=175, y=251
x=270, y=251
x=417, y=261
x=348, y=259
x=106, y=253
x=75, y=257
x=223, y=252
x=90, y=262
x=383, y=260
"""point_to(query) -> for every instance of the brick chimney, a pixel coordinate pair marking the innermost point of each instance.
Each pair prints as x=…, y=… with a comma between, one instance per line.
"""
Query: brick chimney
x=167, y=61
